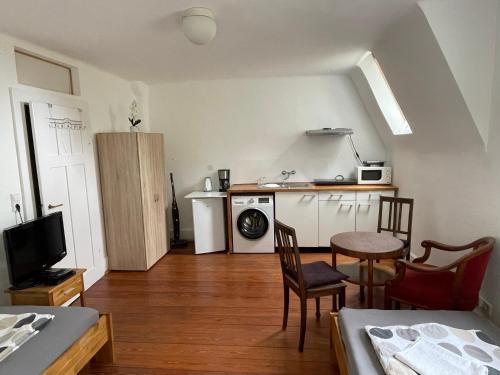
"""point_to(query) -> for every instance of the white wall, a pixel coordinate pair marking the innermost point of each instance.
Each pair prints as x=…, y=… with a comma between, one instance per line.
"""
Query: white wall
x=466, y=32
x=108, y=97
x=443, y=165
x=255, y=127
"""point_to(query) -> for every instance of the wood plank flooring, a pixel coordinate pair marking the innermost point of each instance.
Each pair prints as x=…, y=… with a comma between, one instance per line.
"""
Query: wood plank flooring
x=211, y=314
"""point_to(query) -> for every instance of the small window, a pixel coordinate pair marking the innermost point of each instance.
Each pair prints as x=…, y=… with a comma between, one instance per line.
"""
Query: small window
x=43, y=73
x=384, y=96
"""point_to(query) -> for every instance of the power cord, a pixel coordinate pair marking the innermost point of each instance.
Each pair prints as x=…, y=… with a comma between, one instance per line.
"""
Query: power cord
x=18, y=210
x=356, y=155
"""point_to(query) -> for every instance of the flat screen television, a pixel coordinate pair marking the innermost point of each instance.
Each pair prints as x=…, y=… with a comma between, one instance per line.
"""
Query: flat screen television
x=32, y=247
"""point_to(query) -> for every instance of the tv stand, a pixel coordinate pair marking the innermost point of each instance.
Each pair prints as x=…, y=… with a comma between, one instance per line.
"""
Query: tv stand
x=51, y=295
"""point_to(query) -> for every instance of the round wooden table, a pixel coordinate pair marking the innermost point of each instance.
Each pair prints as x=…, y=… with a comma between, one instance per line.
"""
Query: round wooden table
x=367, y=246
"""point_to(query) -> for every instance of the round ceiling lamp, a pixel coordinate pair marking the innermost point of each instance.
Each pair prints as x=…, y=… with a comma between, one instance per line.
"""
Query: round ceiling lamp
x=198, y=24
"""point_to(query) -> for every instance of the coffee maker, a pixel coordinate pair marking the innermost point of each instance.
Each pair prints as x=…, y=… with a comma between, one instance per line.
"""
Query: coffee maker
x=223, y=179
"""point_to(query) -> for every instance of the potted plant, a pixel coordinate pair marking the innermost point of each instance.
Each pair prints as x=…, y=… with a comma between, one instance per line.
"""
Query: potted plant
x=134, y=117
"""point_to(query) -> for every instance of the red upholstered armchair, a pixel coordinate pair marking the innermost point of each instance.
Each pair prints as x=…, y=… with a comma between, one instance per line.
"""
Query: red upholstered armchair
x=440, y=288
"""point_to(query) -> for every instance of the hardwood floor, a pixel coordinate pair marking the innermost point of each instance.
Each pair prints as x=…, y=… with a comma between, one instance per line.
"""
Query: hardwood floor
x=211, y=314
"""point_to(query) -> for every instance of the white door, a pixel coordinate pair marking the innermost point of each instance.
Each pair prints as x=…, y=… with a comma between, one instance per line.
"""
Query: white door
x=335, y=216
x=67, y=181
x=300, y=211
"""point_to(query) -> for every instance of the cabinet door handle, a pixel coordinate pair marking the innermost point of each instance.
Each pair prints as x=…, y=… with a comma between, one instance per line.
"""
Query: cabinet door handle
x=51, y=207
x=68, y=291
x=156, y=197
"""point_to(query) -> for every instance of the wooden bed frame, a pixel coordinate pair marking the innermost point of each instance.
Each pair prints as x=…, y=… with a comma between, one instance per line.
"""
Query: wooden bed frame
x=96, y=342
x=338, y=344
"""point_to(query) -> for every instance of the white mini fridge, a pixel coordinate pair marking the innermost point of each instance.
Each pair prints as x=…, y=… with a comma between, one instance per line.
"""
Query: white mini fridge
x=208, y=220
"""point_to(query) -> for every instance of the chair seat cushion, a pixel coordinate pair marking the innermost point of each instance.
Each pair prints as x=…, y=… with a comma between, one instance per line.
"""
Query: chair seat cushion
x=430, y=290
x=320, y=273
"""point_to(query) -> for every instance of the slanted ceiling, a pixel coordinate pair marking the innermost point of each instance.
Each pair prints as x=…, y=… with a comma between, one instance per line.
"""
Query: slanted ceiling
x=466, y=33
x=461, y=38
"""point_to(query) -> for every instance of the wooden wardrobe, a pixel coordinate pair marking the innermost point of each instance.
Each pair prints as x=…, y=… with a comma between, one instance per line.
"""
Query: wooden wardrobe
x=132, y=170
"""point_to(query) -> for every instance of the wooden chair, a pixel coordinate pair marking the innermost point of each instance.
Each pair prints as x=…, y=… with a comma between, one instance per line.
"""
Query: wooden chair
x=312, y=280
x=439, y=288
x=393, y=222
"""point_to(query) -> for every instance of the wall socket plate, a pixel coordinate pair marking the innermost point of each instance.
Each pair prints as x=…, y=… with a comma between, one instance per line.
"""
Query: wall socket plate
x=15, y=198
x=485, y=307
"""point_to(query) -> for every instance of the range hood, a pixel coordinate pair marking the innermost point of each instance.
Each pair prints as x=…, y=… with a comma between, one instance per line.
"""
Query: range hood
x=330, y=131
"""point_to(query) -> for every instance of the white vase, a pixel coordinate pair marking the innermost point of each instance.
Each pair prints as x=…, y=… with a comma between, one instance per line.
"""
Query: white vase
x=134, y=129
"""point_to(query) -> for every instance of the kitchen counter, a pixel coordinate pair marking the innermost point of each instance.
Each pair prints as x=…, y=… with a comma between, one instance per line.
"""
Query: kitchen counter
x=238, y=189
x=254, y=188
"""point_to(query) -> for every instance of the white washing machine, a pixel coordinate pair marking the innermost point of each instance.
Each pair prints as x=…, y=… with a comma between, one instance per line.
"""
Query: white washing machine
x=253, y=223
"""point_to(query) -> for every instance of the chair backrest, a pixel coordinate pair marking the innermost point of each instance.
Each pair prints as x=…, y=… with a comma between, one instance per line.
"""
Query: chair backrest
x=470, y=273
x=289, y=252
x=392, y=222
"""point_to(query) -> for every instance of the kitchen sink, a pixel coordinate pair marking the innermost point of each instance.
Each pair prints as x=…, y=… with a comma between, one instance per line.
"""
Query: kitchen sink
x=285, y=185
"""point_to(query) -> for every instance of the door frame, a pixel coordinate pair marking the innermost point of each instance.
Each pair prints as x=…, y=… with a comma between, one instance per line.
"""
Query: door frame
x=26, y=94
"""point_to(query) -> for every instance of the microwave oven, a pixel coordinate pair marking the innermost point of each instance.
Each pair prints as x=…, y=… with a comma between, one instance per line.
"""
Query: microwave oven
x=374, y=175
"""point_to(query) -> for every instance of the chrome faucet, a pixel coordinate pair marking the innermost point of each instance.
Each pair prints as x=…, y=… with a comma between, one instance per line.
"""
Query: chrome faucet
x=286, y=174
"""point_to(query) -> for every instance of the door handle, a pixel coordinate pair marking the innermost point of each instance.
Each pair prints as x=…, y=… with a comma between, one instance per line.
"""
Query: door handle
x=51, y=207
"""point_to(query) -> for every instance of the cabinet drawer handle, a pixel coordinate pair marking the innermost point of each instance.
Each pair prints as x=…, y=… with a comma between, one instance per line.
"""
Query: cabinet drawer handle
x=348, y=205
x=375, y=196
x=68, y=291
x=309, y=195
x=364, y=204
x=336, y=195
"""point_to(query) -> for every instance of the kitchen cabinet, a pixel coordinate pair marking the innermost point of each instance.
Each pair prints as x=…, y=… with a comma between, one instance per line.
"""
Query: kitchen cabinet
x=337, y=213
x=367, y=208
x=300, y=211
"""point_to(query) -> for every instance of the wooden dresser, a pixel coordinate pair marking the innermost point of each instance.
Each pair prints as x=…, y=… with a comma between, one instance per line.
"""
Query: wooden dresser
x=132, y=171
x=50, y=295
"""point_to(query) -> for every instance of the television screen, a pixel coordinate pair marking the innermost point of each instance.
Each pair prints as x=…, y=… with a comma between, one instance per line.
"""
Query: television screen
x=34, y=246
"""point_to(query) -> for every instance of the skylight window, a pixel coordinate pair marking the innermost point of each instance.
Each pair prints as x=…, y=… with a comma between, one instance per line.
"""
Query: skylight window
x=383, y=94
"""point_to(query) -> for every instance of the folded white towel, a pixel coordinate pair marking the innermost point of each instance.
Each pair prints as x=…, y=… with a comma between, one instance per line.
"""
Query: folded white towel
x=427, y=358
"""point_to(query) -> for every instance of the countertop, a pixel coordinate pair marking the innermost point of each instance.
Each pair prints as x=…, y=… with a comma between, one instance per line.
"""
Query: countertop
x=206, y=194
x=253, y=188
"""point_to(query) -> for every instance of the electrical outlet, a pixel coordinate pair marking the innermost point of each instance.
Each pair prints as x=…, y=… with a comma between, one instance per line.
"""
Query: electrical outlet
x=485, y=307
x=15, y=199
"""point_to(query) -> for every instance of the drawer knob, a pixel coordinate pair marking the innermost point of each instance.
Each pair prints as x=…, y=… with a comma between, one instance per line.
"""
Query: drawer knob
x=68, y=291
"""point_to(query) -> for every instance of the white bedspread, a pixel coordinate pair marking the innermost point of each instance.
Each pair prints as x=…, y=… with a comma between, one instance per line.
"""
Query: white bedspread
x=422, y=349
x=427, y=358
x=15, y=330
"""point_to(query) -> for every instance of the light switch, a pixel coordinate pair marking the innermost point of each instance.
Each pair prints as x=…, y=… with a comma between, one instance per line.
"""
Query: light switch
x=15, y=199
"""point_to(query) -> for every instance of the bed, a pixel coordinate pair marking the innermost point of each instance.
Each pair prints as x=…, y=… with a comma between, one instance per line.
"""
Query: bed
x=354, y=350
x=65, y=345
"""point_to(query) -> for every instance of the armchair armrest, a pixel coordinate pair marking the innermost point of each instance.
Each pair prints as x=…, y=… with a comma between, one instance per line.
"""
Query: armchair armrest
x=428, y=245
x=403, y=265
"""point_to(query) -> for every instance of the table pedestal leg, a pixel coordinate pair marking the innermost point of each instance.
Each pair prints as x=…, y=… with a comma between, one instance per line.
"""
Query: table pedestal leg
x=370, y=283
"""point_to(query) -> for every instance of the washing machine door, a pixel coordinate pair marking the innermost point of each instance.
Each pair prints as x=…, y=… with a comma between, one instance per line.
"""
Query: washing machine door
x=253, y=224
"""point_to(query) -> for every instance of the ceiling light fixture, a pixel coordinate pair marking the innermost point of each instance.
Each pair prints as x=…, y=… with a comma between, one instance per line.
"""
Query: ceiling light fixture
x=198, y=24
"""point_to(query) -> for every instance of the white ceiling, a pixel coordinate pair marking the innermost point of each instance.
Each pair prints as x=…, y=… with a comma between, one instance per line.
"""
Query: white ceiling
x=142, y=40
